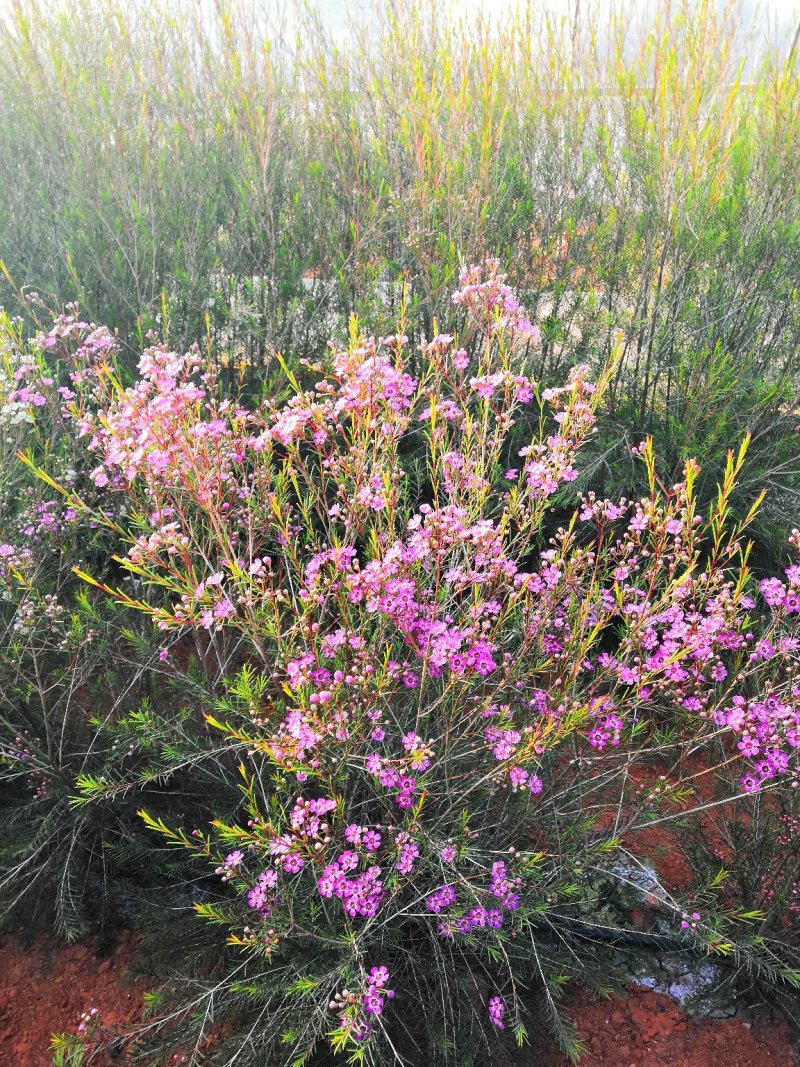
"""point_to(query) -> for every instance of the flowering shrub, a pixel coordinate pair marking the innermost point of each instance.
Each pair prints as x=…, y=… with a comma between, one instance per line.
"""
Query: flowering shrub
x=81, y=689
x=450, y=695
x=39, y=635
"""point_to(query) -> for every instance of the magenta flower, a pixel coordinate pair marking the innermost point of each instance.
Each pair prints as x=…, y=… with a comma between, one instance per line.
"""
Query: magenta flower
x=293, y=863
x=497, y=1010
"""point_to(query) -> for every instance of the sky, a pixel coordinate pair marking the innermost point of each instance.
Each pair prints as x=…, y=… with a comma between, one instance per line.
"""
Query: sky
x=778, y=19
x=769, y=23
x=782, y=13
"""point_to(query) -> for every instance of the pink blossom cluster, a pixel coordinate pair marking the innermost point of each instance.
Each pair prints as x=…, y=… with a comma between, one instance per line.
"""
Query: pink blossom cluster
x=358, y=1014
x=376, y=993
x=769, y=732
x=261, y=896
x=503, y=886
x=11, y=557
x=484, y=292
x=784, y=595
x=362, y=894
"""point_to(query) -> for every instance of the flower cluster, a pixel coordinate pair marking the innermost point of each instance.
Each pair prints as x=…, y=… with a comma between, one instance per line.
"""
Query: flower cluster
x=376, y=993
x=493, y=303
x=784, y=595
x=260, y=896
x=362, y=894
x=358, y=1014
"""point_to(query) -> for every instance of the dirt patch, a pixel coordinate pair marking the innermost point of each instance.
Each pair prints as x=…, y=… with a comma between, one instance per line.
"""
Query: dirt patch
x=662, y=845
x=647, y=1029
x=44, y=989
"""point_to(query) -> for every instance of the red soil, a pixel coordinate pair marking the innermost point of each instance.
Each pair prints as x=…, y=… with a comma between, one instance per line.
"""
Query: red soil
x=45, y=988
x=661, y=845
x=648, y=1030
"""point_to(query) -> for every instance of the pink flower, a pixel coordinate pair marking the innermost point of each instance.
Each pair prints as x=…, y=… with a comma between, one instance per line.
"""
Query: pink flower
x=497, y=1010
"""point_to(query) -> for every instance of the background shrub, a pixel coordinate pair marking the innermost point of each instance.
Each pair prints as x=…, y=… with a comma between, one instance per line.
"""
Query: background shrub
x=258, y=181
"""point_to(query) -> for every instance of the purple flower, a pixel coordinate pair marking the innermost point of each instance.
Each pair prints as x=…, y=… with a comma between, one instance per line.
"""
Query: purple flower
x=441, y=898
x=293, y=863
x=376, y=994
x=409, y=853
x=388, y=777
x=259, y=896
x=519, y=776
x=373, y=1002
x=372, y=841
x=497, y=1010
x=361, y=895
x=405, y=797
x=353, y=834
x=504, y=887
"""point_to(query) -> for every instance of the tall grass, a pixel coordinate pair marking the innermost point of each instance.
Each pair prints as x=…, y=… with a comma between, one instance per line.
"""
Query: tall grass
x=252, y=178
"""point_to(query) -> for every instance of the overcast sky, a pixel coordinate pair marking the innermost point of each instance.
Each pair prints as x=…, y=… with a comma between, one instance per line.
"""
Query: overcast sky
x=775, y=17
x=769, y=22
x=781, y=12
